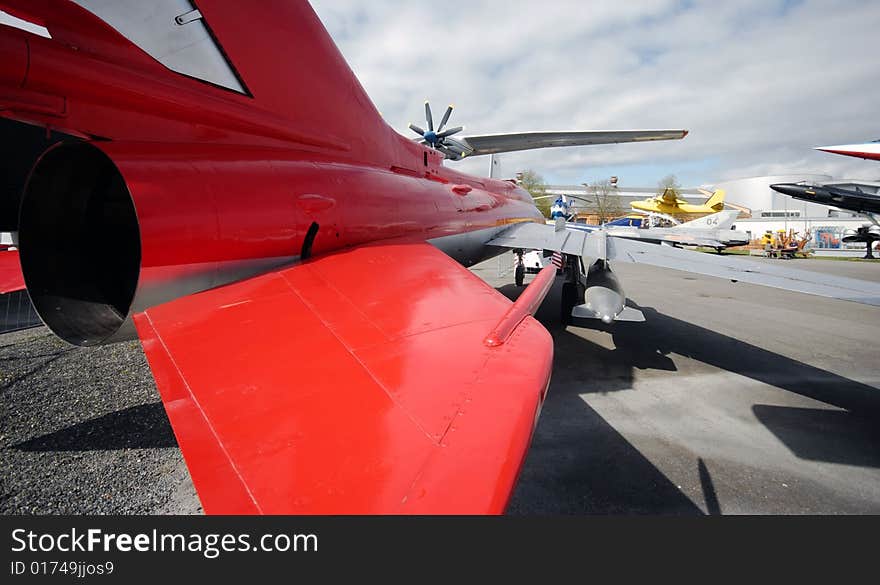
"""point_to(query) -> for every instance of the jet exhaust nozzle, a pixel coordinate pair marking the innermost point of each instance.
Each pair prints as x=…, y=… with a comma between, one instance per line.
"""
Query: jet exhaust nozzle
x=109, y=229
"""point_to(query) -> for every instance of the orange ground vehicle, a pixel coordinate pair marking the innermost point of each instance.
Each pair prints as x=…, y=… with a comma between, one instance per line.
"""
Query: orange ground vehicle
x=784, y=245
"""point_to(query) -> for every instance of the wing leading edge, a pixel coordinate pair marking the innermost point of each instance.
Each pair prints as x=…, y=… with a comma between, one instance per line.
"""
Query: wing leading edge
x=359, y=382
x=498, y=143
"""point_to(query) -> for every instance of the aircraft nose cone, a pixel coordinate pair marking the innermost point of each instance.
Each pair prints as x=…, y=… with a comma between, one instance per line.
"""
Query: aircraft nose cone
x=787, y=188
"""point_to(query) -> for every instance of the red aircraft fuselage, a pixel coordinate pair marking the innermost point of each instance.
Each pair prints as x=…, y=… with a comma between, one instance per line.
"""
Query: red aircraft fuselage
x=202, y=185
x=347, y=366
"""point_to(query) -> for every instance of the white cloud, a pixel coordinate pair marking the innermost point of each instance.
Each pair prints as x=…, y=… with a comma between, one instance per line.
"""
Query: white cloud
x=758, y=83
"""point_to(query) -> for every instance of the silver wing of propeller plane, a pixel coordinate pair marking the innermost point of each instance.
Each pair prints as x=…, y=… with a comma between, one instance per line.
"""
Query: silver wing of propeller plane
x=588, y=270
x=458, y=148
x=712, y=231
x=497, y=143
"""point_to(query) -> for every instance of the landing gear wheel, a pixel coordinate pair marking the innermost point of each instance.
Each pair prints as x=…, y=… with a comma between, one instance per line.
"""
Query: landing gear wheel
x=569, y=300
x=519, y=275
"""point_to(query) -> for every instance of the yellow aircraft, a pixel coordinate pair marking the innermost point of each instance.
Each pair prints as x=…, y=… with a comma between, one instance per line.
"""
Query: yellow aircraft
x=669, y=204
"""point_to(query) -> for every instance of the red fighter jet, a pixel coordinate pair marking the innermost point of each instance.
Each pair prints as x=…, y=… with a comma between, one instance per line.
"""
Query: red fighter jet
x=867, y=151
x=214, y=180
x=295, y=268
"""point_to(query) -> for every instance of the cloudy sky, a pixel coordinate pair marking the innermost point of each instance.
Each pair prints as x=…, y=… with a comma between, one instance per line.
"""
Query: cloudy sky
x=757, y=83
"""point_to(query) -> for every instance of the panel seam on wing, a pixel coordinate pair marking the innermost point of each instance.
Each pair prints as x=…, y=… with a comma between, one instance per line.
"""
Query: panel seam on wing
x=378, y=382
x=491, y=354
x=441, y=328
x=458, y=409
x=318, y=275
x=464, y=273
x=203, y=413
x=388, y=337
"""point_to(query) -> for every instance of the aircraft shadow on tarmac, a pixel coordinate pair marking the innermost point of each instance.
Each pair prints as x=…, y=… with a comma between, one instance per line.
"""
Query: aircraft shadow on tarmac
x=664, y=334
x=818, y=434
x=143, y=426
x=579, y=463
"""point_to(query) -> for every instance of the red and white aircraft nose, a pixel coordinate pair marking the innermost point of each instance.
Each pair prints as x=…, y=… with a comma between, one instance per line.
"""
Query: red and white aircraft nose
x=870, y=150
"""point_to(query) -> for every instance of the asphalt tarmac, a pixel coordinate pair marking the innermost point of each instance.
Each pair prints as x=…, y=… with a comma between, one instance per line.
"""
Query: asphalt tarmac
x=730, y=399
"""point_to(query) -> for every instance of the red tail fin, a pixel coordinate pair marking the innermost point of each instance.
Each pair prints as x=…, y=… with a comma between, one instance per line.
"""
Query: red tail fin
x=291, y=66
x=283, y=79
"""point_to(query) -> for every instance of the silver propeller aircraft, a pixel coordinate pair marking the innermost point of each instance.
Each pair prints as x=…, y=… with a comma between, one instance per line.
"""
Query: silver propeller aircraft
x=456, y=149
x=712, y=231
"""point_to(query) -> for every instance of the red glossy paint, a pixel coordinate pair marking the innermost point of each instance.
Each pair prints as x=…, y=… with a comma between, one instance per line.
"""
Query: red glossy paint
x=353, y=383
x=357, y=381
x=10, y=272
x=208, y=203
x=527, y=303
x=856, y=152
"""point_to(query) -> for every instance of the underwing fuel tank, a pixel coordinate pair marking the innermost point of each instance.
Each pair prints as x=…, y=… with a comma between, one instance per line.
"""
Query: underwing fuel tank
x=604, y=298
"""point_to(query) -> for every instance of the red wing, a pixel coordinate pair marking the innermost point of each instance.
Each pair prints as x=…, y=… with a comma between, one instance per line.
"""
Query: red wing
x=11, y=278
x=359, y=382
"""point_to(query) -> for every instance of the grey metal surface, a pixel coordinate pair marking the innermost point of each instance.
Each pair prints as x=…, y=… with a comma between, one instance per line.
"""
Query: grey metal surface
x=737, y=269
x=17, y=312
x=469, y=248
x=627, y=314
x=154, y=290
x=712, y=231
x=537, y=236
x=723, y=220
x=496, y=143
x=603, y=296
x=170, y=31
x=619, y=249
x=711, y=238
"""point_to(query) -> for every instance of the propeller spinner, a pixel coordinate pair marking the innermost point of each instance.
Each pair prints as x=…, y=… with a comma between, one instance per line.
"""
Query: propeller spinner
x=440, y=139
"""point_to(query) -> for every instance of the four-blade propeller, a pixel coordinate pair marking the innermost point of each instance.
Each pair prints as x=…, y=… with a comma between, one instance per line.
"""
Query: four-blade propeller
x=442, y=139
